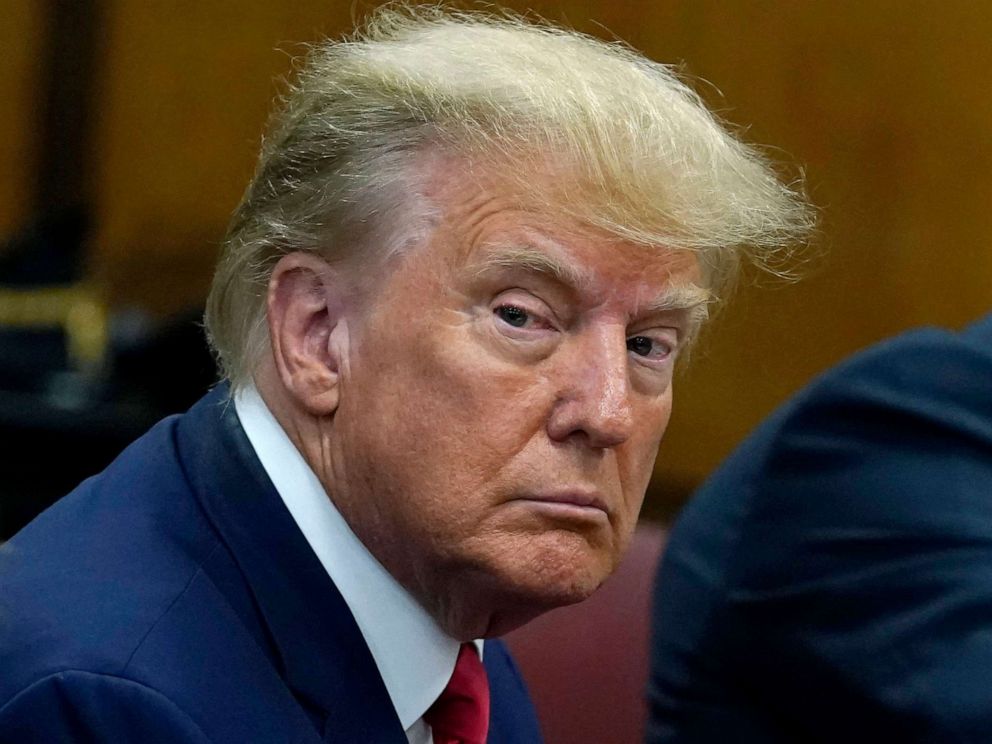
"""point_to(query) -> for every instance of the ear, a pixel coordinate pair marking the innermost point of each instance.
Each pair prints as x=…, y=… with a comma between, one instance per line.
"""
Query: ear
x=307, y=301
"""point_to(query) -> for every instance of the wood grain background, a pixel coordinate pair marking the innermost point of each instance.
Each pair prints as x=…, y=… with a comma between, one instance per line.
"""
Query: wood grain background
x=885, y=105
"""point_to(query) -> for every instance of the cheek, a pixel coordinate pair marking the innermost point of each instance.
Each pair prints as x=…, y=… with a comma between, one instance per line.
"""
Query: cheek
x=448, y=416
x=637, y=458
x=478, y=400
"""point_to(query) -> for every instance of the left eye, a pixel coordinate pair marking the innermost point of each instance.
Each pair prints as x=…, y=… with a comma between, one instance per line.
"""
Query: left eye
x=512, y=315
x=646, y=346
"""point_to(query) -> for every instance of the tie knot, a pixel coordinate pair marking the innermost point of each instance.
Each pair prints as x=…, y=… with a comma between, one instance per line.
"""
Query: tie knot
x=460, y=715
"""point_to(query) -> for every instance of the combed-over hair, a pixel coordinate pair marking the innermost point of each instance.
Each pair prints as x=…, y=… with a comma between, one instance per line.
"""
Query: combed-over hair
x=641, y=156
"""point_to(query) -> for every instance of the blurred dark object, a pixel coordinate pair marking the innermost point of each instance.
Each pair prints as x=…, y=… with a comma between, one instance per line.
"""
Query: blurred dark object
x=48, y=448
x=49, y=252
x=40, y=272
x=78, y=384
x=164, y=366
x=69, y=95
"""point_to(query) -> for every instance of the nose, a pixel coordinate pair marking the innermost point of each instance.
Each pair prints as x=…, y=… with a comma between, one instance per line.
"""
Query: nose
x=594, y=399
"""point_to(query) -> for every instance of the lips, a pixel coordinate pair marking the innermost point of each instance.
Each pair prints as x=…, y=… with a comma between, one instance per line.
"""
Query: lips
x=590, y=501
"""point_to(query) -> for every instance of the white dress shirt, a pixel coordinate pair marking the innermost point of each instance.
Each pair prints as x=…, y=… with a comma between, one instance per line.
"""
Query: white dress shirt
x=414, y=656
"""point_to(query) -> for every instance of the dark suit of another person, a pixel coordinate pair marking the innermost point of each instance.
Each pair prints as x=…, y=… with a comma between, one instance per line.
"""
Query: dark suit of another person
x=833, y=580
x=172, y=598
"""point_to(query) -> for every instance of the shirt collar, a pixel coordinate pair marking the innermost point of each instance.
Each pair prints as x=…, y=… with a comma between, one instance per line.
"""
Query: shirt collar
x=414, y=656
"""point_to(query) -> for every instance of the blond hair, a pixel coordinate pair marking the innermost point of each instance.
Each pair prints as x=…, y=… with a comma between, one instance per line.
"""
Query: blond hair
x=641, y=155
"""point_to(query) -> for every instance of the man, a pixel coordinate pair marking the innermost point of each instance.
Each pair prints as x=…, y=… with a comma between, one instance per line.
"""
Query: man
x=831, y=582
x=449, y=307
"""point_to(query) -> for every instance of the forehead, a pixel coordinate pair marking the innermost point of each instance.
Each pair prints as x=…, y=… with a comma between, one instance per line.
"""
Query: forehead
x=592, y=265
x=485, y=229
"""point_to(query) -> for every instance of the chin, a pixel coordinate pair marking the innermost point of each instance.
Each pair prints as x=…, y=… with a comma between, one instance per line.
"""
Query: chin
x=519, y=603
x=491, y=587
x=548, y=573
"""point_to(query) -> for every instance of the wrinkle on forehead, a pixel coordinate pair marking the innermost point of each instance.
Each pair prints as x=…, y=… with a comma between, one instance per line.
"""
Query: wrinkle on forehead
x=478, y=205
x=683, y=295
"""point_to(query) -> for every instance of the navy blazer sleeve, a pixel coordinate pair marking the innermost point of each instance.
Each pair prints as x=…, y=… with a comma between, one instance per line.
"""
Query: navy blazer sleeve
x=833, y=581
x=79, y=706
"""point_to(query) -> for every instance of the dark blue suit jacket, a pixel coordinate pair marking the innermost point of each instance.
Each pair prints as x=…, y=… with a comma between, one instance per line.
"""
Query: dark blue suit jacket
x=833, y=581
x=173, y=599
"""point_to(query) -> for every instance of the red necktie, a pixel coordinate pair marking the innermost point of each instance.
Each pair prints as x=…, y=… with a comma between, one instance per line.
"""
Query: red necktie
x=461, y=714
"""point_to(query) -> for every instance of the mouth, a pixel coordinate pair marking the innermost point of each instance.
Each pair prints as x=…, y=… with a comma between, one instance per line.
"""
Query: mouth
x=573, y=505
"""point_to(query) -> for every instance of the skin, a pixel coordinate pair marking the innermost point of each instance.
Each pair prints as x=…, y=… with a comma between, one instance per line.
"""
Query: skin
x=487, y=417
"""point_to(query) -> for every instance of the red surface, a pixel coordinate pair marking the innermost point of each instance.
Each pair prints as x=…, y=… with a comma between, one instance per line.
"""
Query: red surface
x=587, y=665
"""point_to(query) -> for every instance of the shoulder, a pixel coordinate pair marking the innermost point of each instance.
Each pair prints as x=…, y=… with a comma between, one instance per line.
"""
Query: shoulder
x=876, y=423
x=85, y=583
x=73, y=704
x=927, y=378
x=872, y=484
x=841, y=548
x=899, y=437
x=123, y=597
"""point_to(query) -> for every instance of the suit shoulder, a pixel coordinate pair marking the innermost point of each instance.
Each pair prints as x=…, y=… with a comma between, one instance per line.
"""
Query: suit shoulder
x=916, y=383
x=857, y=446
x=889, y=450
x=74, y=704
x=85, y=582
x=927, y=393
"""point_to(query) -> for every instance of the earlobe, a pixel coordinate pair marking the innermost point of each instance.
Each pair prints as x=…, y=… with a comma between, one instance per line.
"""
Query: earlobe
x=308, y=330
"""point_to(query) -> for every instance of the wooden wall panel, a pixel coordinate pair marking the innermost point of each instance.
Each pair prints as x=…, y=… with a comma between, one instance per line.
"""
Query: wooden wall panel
x=21, y=36
x=186, y=93
x=886, y=104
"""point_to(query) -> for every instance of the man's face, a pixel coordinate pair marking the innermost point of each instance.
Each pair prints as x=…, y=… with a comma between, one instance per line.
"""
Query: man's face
x=502, y=406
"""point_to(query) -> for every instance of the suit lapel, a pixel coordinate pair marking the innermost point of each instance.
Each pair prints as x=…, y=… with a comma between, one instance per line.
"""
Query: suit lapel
x=512, y=719
x=318, y=648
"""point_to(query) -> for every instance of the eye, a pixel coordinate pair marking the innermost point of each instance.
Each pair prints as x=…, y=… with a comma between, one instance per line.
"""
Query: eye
x=512, y=315
x=641, y=345
x=649, y=348
x=522, y=316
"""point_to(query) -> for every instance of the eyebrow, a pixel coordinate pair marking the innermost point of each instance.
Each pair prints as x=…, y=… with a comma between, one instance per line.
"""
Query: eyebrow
x=523, y=257
x=687, y=296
